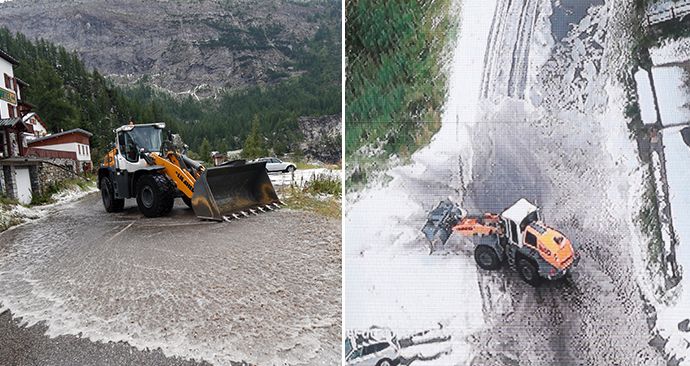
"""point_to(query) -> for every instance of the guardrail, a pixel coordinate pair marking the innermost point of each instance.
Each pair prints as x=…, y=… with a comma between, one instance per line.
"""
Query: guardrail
x=678, y=10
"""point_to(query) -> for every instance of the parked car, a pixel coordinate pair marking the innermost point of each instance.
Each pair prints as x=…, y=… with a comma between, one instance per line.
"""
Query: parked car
x=372, y=351
x=276, y=165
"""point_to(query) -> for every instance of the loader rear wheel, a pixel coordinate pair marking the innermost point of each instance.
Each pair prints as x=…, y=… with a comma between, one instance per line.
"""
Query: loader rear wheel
x=528, y=271
x=155, y=195
x=110, y=203
x=486, y=257
x=385, y=362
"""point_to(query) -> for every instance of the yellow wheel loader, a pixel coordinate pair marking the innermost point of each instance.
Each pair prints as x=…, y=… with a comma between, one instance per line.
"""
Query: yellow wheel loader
x=155, y=170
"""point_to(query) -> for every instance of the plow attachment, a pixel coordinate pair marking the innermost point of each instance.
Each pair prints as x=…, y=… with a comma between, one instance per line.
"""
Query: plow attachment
x=233, y=191
x=440, y=222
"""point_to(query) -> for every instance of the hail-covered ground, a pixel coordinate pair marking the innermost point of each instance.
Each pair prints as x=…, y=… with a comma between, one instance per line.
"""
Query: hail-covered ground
x=532, y=112
x=263, y=290
x=671, y=96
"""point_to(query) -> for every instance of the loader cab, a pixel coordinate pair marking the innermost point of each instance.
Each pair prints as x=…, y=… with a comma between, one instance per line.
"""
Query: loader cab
x=516, y=218
x=132, y=138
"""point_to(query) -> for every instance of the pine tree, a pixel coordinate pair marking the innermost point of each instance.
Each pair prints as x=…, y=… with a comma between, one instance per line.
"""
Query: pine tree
x=253, y=145
x=205, y=150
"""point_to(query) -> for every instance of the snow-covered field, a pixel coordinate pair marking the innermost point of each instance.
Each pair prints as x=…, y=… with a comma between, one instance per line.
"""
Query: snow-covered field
x=389, y=280
x=671, y=51
x=645, y=97
x=672, y=95
x=677, y=307
x=673, y=306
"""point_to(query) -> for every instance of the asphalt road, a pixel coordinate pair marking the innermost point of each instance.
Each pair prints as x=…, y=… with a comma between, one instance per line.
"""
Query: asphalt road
x=262, y=290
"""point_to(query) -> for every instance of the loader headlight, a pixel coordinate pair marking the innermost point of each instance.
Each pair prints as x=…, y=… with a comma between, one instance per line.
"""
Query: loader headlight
x=160, y=125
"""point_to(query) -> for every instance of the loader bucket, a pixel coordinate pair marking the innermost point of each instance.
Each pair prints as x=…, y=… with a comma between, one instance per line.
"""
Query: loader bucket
x=228, y=191
x=440, y=221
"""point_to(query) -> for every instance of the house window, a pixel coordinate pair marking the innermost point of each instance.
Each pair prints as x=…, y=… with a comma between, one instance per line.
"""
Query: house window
x=10, y=110
x=8, y=83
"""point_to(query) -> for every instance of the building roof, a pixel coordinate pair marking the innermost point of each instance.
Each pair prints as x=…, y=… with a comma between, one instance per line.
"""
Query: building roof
x=9, y=58
x=519, y=210
x=76, y=130
x=9, y=121
x=31, y=114
x=21, y=82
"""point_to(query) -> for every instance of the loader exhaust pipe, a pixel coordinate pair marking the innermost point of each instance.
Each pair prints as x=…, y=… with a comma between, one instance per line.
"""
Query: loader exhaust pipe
x=223, y=191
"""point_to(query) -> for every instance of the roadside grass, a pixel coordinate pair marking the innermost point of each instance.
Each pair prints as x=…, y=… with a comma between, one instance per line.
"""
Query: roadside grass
x=303, y=165
x=4, y=200
x=8, y=221
x=396, y=85
x=648, y=220
x=300, y=200
x=321, y=195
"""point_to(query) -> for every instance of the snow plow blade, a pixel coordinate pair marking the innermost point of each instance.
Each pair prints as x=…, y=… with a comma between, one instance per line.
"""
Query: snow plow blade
x=233, y=191
x=440, y=222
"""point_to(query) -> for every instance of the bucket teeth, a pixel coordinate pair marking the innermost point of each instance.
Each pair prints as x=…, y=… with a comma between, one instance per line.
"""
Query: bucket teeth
x=261, y=209
x=253, y=211
x=269, y=208
x=244, y=213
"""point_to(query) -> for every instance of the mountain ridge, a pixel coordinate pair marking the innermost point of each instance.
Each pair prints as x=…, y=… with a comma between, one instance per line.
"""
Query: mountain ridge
x=187, y=47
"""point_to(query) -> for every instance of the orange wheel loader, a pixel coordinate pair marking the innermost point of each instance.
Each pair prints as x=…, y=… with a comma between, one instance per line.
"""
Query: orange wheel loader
x=516, y=236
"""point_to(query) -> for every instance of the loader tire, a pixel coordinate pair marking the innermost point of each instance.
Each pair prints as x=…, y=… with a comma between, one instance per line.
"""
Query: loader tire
x=385, y=362
x=187, y=201
x=155, y=195
x=528, y=271
x=110, y=203
x=486, y=257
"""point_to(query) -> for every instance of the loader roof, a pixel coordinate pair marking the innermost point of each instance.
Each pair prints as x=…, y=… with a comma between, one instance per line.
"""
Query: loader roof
x=160, y=125
x=519, y=210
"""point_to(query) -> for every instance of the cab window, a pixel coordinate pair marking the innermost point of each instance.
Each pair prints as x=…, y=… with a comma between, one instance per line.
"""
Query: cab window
x=355, y=354
x=512, y=231
x=530, y=239
x=127, y=147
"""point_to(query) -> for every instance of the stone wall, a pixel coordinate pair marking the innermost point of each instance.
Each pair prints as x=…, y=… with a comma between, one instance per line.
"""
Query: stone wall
x=43, y=173
x=9, y=183
x=47, y=174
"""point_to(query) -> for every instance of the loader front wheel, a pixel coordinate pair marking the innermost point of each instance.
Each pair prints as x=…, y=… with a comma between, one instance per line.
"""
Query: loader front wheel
x=155, y=195
x=528, y=271
x=486, y=257
x=110, y=203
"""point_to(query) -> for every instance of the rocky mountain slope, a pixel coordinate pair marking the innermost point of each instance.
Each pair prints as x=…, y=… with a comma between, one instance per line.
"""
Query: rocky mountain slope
x=322, y=137
x=197, y=46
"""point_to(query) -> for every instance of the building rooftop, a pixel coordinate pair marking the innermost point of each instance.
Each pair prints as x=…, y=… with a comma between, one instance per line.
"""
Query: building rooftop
x=8, y=58
x=76, y=130
x=9, y=121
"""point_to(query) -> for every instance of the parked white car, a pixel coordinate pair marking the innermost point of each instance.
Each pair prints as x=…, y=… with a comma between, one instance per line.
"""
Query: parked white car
x=276, y=165
x=372, y=351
